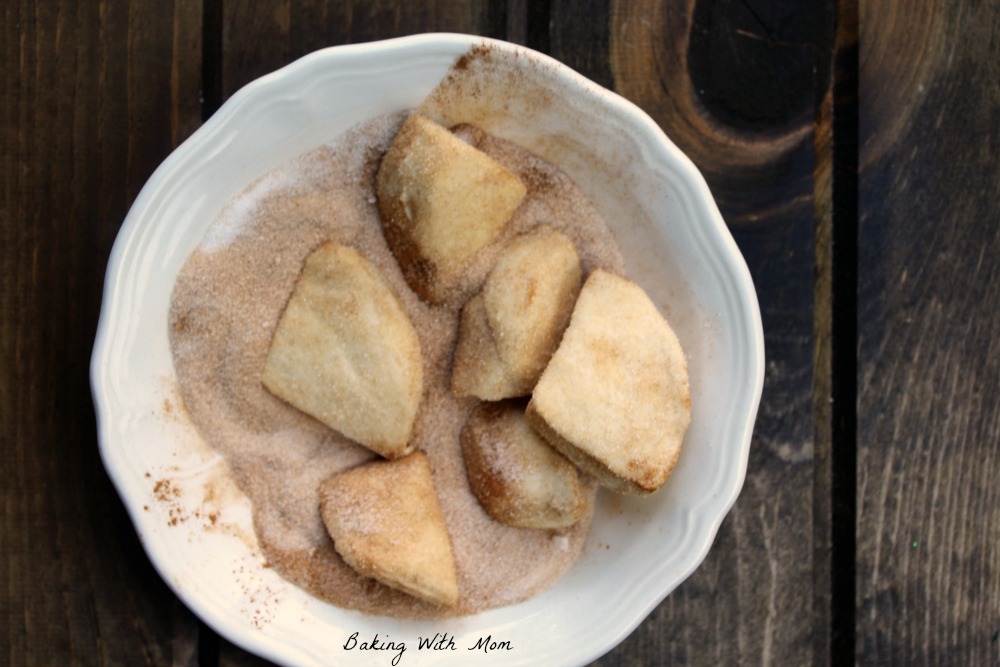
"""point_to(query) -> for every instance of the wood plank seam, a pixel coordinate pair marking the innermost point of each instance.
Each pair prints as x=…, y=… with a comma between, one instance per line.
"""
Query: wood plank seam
x=844, y=364
x=211, y=65
x=537, y=34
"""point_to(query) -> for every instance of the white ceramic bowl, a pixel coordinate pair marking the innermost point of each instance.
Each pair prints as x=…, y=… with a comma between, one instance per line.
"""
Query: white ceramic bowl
x=196, y=526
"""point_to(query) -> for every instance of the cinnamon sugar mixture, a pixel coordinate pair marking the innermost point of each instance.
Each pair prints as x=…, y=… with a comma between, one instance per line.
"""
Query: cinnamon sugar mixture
x=226, y=304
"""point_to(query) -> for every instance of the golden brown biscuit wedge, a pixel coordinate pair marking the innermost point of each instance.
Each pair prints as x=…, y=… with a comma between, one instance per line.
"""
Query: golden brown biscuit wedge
x=386, y=523
x=518, y=478
x=441, y=201
x=346, y=353
x=529, y=298
x=506, y=340
x=615, y=398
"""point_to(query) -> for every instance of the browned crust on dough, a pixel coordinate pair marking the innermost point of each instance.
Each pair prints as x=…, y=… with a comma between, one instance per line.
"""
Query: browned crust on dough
x=500, y=499
x=588, y=463
x=487, y=486
x=419, y=272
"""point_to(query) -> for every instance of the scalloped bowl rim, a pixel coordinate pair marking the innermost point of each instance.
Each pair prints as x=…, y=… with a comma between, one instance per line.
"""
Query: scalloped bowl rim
x=122, y=366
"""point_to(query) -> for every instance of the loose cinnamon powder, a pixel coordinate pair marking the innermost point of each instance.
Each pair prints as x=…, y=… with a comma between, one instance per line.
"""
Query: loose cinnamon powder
x=226, y=304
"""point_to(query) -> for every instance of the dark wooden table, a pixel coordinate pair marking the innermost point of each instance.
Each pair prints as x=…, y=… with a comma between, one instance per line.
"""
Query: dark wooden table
x=854, y=149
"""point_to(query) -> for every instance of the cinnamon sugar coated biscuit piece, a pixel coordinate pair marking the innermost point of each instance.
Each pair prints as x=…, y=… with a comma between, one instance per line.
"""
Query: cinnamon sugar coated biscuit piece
x=615, y=397
x=478, y=369
x=526, y=303
x=441, y=201
x=386, y=523
x=529, y=297
x=346, y=353
x=519, y=479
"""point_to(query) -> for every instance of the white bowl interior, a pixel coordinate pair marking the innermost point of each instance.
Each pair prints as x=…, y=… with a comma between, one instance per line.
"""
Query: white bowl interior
x=196, y=526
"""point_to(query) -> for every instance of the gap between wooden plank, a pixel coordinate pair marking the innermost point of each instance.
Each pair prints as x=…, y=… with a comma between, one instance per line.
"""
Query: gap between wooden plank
x=844, y=334
x=211, y=64
x=538, y=19
x=208, y=646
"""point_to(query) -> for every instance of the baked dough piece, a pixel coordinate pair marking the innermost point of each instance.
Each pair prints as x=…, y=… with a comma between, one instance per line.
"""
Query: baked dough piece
x=478, y=369
x=509, y=332
x=441, y=201
x=386, y=523
x=615, y=397
x=518, y=478
x=346, y=353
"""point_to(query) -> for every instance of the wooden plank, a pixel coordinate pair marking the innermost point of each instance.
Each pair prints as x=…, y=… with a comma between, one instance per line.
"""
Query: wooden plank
x=260, y=36
x=94, y=96
x=738, y=89
x=929, y=358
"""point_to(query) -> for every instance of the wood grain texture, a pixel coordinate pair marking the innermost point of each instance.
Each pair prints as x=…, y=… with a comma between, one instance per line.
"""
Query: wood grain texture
x=929, y=358
x=822, y=385
x=718, y=78
x=93, y=96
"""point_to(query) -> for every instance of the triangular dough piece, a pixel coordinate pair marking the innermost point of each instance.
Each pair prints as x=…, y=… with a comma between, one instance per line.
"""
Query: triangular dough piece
x=441, y=201
x=509, y=332
x=615, y=397
x=519, y=479
x=529, y=298
x=386, y=523
x=346, y=353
